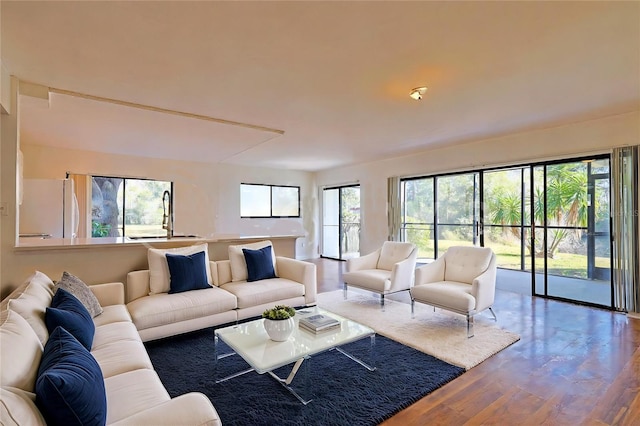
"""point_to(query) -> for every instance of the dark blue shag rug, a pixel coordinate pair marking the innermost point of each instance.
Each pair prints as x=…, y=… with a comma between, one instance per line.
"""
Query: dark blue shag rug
x=344, y=393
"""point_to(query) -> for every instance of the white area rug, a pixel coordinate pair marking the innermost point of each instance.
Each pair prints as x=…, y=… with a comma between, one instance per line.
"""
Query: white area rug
x=441, y=334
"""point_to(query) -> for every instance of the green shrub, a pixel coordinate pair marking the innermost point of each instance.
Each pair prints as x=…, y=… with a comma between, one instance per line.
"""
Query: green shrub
x=279, y=312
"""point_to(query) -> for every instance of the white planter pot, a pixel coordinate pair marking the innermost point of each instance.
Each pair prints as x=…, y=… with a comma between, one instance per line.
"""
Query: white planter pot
x=279, y=330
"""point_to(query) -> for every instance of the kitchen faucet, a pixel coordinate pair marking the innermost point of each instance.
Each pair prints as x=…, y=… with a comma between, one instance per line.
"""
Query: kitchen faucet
x=167, y=213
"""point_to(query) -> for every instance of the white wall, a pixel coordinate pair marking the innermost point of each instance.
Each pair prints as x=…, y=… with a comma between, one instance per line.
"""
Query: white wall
x=206, y=196
x=594, y=136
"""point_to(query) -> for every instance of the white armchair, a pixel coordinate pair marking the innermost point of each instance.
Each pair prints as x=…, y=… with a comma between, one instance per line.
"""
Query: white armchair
x=387, y=270
x=463, y=280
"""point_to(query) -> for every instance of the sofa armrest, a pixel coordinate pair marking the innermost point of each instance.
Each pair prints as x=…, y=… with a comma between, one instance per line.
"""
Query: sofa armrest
x=403, y=273
x=431, y=272
x=301, y=272
x=483, y=287
x=109, y=293
x=223, y=272
x=189, y=409
x=137, y=285
x=369, y=261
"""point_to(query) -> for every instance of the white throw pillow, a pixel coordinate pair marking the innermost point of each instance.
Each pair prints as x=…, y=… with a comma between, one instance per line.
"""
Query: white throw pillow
x=239, y=265
x=33, y=301
x=20, y=350
x=159, y=277
x=18, y=407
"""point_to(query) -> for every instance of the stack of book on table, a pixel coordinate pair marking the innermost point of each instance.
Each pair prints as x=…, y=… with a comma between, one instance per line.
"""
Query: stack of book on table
x=318, y=322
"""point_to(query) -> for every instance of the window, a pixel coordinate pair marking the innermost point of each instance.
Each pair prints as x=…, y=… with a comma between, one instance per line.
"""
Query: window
x=128, y=207
x=269, y=200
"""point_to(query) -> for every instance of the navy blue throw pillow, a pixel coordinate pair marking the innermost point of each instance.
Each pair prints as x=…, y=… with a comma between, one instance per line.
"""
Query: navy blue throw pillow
x=68, y=311
x=259, y=264
x=70, y=387
x=187, y=272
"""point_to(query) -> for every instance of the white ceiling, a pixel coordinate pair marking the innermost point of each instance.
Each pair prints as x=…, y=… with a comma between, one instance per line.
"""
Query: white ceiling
x=334, y=76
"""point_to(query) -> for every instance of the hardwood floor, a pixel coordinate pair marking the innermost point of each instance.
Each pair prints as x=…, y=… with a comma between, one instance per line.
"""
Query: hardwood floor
x=573, y=365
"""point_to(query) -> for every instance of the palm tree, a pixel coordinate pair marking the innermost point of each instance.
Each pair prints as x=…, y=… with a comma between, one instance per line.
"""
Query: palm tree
x=566, y=206
x=567, y=202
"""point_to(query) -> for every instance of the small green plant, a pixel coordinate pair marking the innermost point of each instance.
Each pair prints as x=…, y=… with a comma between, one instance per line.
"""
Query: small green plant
x=100, y=229
x=279, y=312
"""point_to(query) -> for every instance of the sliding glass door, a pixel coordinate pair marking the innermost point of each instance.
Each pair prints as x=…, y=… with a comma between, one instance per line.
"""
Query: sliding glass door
x=341, y=222
x=573, y=219
x=548, y=224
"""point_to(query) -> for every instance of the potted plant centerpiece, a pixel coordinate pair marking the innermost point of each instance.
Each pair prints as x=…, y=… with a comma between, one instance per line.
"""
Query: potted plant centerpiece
x=278, y=321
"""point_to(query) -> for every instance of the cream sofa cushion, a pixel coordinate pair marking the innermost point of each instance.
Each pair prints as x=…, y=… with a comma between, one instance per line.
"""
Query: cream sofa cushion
x=159, y=277
x=264, y=291
x=452, y=294
x=392, y=253
x=133, y=392
x=239, y=265
x=33, y=301
x=464, y=264
x=121, y=357
x=378, y=280
x=161, y=309
x=20, y=352
x=18, y=408
x=115, y=332
x=111, y=314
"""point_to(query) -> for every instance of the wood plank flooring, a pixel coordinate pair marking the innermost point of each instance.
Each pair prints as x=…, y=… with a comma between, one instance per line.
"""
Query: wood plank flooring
x=574, y=365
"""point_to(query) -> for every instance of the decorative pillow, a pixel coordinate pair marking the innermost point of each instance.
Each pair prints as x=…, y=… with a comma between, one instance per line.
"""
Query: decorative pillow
x=33, y=301
x=37, y=278
x=238, y=263
x=20, y=352
x=259, y=264
x=187, y=272
x=159, y=269
x=79, y=289
x=68, y=312
x=70, y=387
x=17, y=407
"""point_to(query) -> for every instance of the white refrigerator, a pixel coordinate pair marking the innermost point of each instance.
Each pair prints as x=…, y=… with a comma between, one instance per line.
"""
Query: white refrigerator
x=49, y=209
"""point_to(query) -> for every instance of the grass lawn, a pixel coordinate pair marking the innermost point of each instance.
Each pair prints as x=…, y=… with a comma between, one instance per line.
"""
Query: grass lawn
x=508, y=256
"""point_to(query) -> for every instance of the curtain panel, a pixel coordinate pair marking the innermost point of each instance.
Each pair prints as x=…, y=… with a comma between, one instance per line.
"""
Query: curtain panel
x=393, y=208
x=625, y=193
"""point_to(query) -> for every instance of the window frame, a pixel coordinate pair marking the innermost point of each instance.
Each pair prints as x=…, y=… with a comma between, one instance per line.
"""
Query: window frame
x=124, y=197
x=271, y=188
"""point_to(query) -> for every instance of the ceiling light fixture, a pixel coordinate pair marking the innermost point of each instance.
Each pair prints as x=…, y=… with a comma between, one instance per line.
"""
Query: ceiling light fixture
x=417, y=93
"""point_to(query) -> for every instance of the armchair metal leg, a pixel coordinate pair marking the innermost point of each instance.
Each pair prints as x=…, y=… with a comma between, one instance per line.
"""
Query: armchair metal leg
x=469, y=326
x=495, y=318
x=413, y=311
x=382, y=302
x=344, y=291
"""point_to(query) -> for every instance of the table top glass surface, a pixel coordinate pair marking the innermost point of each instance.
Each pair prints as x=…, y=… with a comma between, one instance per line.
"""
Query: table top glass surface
x=250, y=340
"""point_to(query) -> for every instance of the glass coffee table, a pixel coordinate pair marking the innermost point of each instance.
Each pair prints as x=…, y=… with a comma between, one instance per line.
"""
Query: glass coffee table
x=251, y=342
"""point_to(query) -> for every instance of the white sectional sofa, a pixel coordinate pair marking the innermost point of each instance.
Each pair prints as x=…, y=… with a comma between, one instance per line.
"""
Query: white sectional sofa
x=229, y=299
x=134, y=393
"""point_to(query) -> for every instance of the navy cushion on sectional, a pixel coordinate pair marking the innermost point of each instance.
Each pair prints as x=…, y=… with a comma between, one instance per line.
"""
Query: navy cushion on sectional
x=68, y=312
x=259, y=264
x=187, y=272
x=70, y=387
